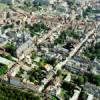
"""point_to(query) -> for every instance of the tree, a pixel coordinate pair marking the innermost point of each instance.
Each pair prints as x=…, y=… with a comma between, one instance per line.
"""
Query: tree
x=32, y=79
x=9, y=57
x=54, y=98
x=78, y=17
x=80, y=80
x=85, y=79
x=8, y=15
x=10, y=47
x=8, y=26
x=33, y=55
x=89, y=9
x=97, y=80
x=8, y=92
x=93, y=52
x=82, y=96
x=51, y=61
x=3, y=69
x=37, y=27
x=59, y=72
x=67, y=86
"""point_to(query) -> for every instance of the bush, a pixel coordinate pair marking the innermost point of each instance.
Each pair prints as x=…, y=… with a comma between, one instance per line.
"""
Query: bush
x=94, y=79
x=83, y=96
x=97, y=80
x=10, y=47
x=93, y=52
x=11, y=93
x=69, y=90
x=37, y=75
x=8, y=26
x=80, y=80
x=33, y=55
x=9, y=57
x=37, y=27
x=62, y=37
x=3, y=69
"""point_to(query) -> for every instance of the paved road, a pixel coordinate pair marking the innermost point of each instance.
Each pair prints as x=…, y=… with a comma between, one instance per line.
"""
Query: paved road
x=81, y=44
x=76, y=49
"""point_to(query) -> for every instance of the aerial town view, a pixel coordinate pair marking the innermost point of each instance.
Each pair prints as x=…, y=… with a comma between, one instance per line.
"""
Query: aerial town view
x=49, y=49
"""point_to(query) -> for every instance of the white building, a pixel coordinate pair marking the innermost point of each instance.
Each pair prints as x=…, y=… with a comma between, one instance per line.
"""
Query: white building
x=68, y=78
x=90, y=97
x=76, y=95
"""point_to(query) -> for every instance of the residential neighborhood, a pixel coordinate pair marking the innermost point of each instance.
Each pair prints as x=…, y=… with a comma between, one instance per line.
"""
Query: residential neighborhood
x=50, y=49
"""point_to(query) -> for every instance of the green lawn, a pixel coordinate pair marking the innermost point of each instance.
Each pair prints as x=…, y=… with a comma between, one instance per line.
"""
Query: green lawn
x=3, y=6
